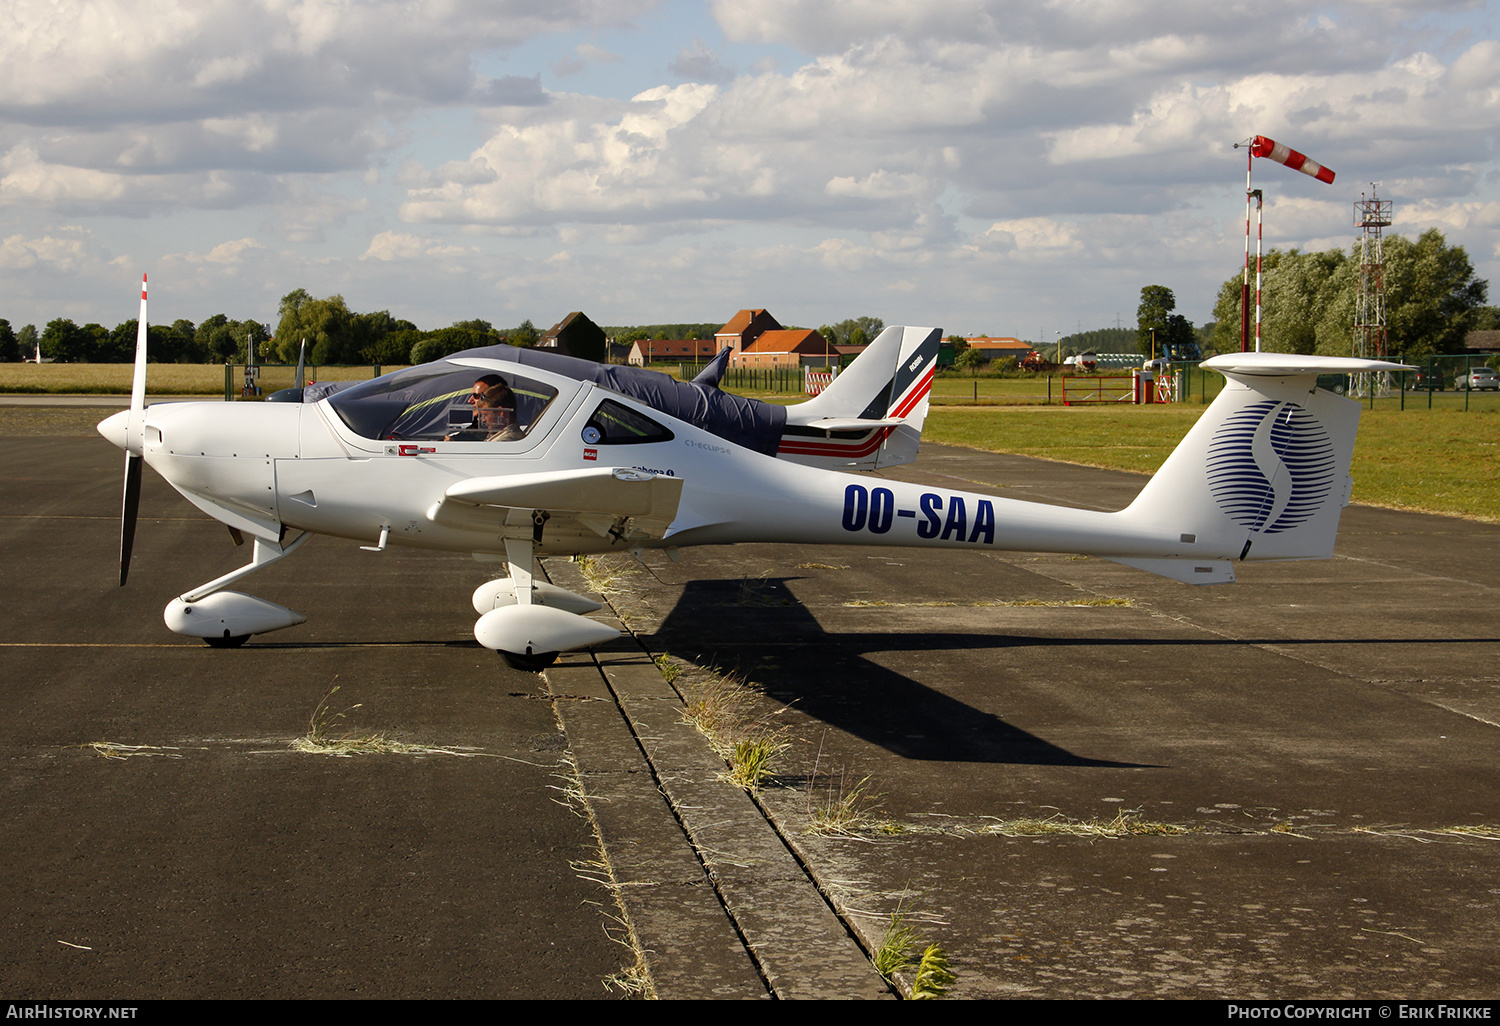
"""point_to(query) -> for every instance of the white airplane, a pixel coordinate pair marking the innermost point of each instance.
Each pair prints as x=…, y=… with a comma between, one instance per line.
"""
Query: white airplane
x=564, y=457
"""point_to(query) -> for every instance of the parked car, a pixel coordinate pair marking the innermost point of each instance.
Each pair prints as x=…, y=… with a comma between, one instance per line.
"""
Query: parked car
x=1427, y=380
x=1338, y=384
x=1478, y=379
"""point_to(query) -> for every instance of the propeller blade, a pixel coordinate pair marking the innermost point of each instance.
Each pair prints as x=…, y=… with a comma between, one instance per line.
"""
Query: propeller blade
x=131, y=501
x=130, y=504
x=138, y=380
x=301, y=362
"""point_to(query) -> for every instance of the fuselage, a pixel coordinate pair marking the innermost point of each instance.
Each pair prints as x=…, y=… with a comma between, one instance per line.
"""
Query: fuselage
x=271, y=468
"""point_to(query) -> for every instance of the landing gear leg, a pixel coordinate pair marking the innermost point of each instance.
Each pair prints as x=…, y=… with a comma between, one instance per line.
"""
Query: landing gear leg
x=520, y=553
x=226, y=619
x=531, y=632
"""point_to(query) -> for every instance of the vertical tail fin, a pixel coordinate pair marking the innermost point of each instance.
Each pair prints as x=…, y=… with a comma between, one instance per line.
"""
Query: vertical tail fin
x=1264, y=474
x=872, y=414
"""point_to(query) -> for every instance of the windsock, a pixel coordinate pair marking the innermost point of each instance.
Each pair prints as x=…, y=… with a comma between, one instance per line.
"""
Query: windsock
x=1283, y=154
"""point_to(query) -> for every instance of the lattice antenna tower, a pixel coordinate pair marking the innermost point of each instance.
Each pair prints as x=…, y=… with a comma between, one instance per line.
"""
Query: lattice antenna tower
x=1371, y=215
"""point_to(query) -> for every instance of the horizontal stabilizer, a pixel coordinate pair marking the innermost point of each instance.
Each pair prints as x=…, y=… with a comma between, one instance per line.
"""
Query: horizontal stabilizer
x=1286, y=364
x=1263, y=474
x=852, y=423
x=871, y=415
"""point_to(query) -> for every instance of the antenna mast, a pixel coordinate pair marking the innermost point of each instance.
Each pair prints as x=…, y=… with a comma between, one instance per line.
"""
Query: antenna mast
x=1371, y=214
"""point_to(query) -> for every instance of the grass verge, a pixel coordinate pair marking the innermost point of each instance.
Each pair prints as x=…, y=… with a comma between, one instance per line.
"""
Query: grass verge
x=161, y=378
x=634, y=979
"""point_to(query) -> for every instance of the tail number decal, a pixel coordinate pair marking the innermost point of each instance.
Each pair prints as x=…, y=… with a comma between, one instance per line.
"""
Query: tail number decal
x=875, y=510
x=862, y=509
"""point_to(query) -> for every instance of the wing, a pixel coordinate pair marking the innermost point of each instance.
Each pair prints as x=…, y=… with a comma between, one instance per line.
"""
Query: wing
x=628, y=504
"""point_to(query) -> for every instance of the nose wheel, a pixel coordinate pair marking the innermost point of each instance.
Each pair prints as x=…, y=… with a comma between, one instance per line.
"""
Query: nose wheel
x=227, y=641
x=529, y=663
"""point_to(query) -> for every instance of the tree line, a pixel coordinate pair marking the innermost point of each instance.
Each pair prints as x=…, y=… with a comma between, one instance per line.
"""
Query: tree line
x=1432, y=302
x=334, y=333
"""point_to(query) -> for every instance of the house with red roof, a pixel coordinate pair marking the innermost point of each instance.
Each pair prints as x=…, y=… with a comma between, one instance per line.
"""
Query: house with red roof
x=786, y=347
x=673, y=350
x=743, y=329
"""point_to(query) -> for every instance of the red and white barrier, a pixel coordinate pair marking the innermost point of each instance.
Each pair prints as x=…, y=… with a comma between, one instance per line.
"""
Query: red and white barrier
x=815, y=381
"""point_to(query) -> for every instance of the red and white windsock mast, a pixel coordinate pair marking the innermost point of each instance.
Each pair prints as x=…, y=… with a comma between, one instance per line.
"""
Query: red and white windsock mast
x=1260, y=146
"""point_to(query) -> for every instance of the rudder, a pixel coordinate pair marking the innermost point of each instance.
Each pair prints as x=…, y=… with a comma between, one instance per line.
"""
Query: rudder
x=872, y=414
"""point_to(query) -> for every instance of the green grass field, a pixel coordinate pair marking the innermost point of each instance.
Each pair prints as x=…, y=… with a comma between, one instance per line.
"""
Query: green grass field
x=161, y=378
x=1436, y=461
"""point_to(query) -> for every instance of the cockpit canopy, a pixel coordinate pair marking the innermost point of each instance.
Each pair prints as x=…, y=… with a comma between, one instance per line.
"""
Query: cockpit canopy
x=417, y=403
x=434, y=402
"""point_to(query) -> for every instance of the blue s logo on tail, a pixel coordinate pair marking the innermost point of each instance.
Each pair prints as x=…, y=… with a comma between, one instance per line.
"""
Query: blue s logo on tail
x=1271, y=466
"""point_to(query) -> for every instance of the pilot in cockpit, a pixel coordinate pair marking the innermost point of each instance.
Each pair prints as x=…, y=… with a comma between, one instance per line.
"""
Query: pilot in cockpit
x=494, y=413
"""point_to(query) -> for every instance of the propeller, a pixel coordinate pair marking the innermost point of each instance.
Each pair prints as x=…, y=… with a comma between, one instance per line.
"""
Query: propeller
x=135, y=428
x=301, y=363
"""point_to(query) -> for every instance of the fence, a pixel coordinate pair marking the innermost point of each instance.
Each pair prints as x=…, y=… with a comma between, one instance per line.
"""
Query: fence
x=1190, y=383
x=762, y=379
x=273, y=377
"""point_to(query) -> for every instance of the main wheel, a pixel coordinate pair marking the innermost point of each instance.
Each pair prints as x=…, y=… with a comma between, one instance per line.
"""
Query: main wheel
x=529, y=663
x=227, y=641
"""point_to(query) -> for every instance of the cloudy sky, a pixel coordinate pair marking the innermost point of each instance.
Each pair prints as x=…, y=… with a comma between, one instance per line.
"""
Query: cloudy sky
x=1016, y=167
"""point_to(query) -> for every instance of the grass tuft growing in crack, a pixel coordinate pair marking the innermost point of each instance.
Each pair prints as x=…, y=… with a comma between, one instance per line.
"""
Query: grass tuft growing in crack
x=725, y=709
x=894, y=953
x=321, y=740
x=931, y=974
x=752, y=759
x=634, y=979
x=603, y=572
x=1124, y=824
x=934, y=975
x=849, y=812
x=669, y=670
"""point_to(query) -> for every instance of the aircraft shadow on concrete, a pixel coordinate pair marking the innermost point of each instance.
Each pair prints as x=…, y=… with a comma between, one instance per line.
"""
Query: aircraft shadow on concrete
x=740, y=624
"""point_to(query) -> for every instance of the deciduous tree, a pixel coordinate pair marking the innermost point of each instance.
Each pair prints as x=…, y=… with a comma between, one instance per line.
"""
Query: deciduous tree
x=327, y=324
x=1308, y=300
x=1157, y=304
x=65, y=342
x=10, y=352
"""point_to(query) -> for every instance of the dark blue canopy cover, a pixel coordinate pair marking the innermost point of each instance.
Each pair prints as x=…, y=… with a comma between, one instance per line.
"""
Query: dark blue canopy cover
x=748, y=422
